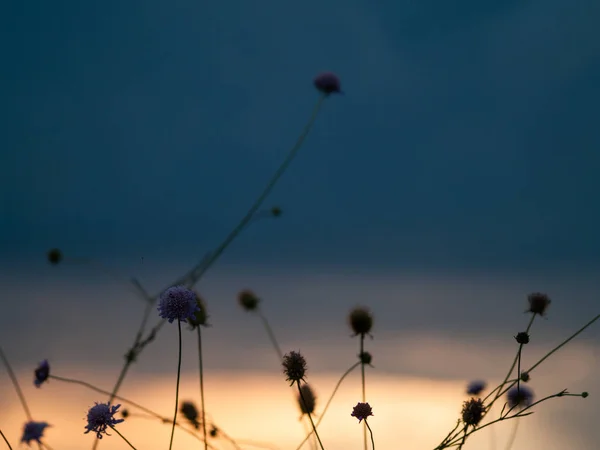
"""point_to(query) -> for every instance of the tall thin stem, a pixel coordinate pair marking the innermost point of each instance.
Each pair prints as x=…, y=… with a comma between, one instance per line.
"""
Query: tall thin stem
x=202, y=387
x=15, y=383
x=271, y=334
x=371, y=432
x=122, y=437
x=5, y=440
x=177, y=386
x=362, y=377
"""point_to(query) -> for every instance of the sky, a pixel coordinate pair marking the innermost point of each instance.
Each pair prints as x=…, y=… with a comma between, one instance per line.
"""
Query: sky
x=456, y=174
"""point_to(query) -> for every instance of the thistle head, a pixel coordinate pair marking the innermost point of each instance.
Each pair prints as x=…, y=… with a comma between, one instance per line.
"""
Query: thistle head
x=361, y=321
x=362, y=411
x=538, y=303
x=472, y=411
x=294, y=367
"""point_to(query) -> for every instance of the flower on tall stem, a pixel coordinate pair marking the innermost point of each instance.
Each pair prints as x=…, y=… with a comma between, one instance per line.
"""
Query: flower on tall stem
x=521, y=397
x=248, y=300
x=100, y=417
x=177, y=303
x=361, y=321
x=472, y=411
x=294, y=367
x=538, y=303
x=328, y=83
x=33, y=431
x=362, y=411
x=41, y=373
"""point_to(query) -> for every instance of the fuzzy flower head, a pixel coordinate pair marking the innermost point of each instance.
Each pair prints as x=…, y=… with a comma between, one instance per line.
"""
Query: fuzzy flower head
x=248, y=300
x=54, y=257
x=472, y=411
x=200, y=316
x=538, y=303
x=362, y=411
x=41, y=373
x=294, y=367
x=189, y=411
x=327, y=82
x=476, y=387
x=361, y=321
x=519, y=397
x=100, y=417
x=522, y=337
x=33, y=431
x=310, y=400
x=177, y=303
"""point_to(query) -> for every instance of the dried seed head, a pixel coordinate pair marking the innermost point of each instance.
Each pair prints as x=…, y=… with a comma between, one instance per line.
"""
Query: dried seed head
x=522, y=337
x=472, y=411
x=525, y=376
x=310, y=400
x=248, y=300
x=361, y=321
x=362, y=411
x=538, y=303
x=55, y=256
x=294, y=367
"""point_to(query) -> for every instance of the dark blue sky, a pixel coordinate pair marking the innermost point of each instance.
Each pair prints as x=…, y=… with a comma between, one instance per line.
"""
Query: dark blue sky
x=468, y=135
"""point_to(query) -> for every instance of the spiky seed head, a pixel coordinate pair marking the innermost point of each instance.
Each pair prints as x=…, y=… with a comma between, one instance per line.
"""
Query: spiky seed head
x=472, y=411
x=538, y=303
x=294, y=367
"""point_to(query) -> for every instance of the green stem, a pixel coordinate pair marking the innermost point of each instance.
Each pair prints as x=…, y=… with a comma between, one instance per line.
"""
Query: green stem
x=310, y=416
x=202, y=388
x=177, y=387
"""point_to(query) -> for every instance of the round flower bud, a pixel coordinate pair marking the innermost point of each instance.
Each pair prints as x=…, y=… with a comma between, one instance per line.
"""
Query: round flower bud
x=248, y=300
x=522, y=337
x=54, y=256
x=365, y=358
x=525, y=377
x=360, y=320
x=327, y=82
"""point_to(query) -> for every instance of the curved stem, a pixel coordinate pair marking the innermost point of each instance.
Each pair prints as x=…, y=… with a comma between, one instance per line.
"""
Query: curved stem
x=371, y=432
x=122, y=437
x=5, y=440
x=177, y=387
x=15, y=383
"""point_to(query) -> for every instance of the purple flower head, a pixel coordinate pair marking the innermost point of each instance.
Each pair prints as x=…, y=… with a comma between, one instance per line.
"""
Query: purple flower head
x=41, y=373
x=328, y=82
x=362, y=411
x=100, y=417
x=177, y=303
x=519, y=397
x=33, y=431
x=476, y=387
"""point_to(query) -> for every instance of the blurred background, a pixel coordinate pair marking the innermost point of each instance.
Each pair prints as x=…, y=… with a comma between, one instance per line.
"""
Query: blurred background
x=457, y=174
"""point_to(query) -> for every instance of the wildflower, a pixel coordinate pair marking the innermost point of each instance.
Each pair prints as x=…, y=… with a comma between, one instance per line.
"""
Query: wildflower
x=100, y=417
x=520, y=396
x=365, y=358
x=476, y=387
x=538, y=303
x=361, y=321
x=33, y=431
x=189, y=411
x=362, y=411
x=54, y=256
x=177, y=302
x=294, y=366
x=41, y=373
x=248, y=300
x=522, y=337
x=472, y=411
x=310, y=400
x=327, y=82
x=200, y=316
